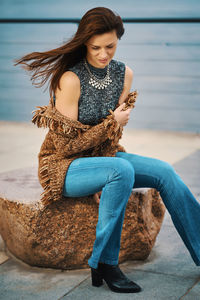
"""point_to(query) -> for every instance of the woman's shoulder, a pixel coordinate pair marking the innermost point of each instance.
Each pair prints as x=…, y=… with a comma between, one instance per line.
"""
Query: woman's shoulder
x=72, y=75
x=69, y=78
x=120, y=65
x=78, y=68
x=121, y=68
x=117, y=65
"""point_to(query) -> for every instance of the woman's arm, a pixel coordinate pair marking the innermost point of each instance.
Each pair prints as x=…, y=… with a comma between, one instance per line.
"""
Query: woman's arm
x=68, y=95
x=127, y=84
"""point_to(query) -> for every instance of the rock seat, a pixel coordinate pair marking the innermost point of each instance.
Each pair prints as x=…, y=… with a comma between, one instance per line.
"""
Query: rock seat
x=62, y=235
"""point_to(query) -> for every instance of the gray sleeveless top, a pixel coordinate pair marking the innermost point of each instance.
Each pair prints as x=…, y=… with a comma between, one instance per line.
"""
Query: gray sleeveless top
x=94, y=104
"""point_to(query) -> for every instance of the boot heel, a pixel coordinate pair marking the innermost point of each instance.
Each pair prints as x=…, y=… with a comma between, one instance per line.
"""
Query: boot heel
x=97, y=279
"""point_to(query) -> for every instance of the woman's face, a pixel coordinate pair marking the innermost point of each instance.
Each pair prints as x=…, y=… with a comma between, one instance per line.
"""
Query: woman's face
x=101, y=49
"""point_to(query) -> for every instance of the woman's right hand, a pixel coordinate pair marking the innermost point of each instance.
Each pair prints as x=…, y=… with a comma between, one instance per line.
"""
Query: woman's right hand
x=122, y=116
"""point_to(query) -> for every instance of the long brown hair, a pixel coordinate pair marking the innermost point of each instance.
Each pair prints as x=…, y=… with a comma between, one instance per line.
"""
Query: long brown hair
x=50, y=65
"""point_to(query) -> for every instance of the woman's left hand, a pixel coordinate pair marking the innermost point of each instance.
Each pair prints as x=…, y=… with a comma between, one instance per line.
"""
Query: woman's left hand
x=97, y=196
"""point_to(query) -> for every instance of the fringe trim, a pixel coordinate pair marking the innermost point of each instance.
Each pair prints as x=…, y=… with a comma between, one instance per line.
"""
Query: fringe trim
x=130, y=100
x=44, y=121
x=46, y=195
x=49, y=117
x=114, y=128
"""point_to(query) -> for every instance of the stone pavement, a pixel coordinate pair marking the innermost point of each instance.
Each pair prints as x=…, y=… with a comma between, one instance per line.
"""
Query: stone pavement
x=168, y=273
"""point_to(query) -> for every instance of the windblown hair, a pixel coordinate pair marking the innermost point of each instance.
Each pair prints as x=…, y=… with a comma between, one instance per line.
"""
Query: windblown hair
x=50, y=65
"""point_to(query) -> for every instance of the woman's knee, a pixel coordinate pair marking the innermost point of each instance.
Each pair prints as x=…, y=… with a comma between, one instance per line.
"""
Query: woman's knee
x=123, y=170
x=166, y=169
x=167, y=174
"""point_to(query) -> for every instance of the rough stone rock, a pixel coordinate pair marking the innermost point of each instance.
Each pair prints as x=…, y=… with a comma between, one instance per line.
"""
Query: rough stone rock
x=62, y=235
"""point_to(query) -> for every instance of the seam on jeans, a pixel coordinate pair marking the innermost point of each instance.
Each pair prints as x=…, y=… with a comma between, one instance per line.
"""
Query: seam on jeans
x=191, y=247
x=177, y=207
x=92, y=167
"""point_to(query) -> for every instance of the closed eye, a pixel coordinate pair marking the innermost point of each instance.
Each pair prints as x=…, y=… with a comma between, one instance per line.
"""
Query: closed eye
x=97, y=48
x=110, y=47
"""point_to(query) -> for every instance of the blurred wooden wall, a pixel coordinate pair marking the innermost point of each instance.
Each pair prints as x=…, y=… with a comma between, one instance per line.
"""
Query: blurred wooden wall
x=165, y=58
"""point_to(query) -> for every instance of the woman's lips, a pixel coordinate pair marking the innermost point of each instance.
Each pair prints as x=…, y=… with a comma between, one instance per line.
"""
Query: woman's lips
x=103, y=60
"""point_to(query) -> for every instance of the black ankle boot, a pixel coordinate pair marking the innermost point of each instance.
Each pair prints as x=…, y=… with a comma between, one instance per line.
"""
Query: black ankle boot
x=114, y=278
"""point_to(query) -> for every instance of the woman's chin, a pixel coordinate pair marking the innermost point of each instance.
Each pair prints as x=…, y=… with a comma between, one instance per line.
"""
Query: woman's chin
x=103, y=63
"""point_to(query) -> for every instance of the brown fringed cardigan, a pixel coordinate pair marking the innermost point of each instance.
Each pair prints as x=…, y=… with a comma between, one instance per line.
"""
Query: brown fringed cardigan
x=67, y=140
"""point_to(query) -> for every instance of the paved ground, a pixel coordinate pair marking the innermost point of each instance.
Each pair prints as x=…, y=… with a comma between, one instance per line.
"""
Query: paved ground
x=168, y=273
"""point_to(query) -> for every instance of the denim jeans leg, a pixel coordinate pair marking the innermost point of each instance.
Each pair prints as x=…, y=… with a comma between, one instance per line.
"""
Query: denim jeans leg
x=113, y=246
x=115, y=177
x=181, y=204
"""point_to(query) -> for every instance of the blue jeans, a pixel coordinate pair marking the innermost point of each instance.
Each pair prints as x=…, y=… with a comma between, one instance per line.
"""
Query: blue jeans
x=115, y=177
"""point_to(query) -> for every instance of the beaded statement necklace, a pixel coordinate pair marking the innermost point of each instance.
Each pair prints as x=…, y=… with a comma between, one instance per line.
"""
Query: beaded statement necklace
x=96, y=82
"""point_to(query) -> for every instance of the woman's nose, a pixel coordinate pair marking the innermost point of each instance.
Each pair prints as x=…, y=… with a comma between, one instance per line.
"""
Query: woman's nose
x=103, y=54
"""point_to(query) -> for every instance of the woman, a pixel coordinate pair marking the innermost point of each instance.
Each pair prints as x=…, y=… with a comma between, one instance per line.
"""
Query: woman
x=85, y=117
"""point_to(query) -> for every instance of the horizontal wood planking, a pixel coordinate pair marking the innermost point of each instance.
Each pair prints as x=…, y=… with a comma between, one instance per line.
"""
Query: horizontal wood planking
x=134, y=33
x=126, y=8
x=165, y=59
x=162, y=119
x=141, y=68
x=32, y=97
x=167, y=84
